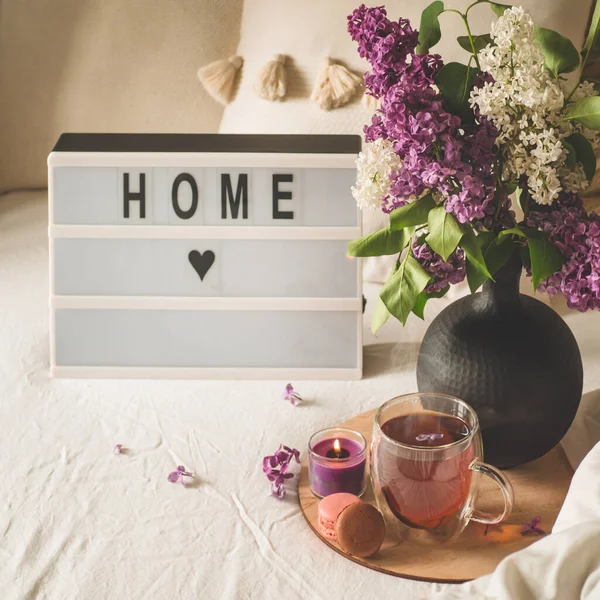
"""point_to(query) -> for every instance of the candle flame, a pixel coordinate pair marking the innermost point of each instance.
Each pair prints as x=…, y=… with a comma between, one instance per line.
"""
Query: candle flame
x=336, y=446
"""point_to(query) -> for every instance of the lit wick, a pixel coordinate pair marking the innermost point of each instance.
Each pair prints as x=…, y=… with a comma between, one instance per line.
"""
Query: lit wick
x=337, y=451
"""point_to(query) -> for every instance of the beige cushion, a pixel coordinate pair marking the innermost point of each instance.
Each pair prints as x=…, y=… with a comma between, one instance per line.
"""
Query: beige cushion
x=311, y=30
x=106, y=66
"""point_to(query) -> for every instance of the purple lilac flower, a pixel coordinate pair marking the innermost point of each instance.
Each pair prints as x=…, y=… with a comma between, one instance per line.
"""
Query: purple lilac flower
x=443, y=273
x=276, y=467
x=438, y=152
x=291, y=395
x=384, y=43
x=577, y=235
x=118, y=449
x=177, y=476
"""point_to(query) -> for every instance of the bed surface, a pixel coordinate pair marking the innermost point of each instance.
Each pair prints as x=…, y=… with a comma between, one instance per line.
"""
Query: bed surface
x=77, y=521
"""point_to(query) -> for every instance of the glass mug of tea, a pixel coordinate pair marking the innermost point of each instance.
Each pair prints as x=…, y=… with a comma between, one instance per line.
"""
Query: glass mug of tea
x=425, y=461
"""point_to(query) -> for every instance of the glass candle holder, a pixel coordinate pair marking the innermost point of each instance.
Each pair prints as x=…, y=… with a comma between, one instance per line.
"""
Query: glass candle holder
x=336, y=462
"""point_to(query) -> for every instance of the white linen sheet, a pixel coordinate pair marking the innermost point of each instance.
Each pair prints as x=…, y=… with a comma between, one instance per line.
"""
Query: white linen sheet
x=78, y=522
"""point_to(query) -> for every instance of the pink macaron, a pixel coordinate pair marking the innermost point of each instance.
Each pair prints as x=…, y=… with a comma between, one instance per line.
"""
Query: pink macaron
x=330, y=508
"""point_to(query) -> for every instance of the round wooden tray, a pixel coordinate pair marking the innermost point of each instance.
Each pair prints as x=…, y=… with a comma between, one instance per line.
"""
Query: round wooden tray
x=540, y=489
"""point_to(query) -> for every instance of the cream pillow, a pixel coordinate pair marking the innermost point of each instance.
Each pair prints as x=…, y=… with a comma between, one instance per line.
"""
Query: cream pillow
x=311, y=30
x=105, y=66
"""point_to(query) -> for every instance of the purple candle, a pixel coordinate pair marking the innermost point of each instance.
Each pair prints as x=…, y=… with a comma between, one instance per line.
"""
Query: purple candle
x=336, y=462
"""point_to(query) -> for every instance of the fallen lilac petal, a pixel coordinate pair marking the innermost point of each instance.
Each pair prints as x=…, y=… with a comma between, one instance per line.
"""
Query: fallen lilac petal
x=177, y=476
x=273, y=475
x=282, y=457
x=118, y=449
x=532, y=527
x=291, y=395
x=278, y=491
x=174, y=477
x=269, y=463
x=292, y=451
x=272, y=461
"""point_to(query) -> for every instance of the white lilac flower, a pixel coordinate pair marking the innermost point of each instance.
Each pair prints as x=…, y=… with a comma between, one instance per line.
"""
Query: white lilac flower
x=375, y=164
x=543, y=183
x=524, y=102
x=517, y=65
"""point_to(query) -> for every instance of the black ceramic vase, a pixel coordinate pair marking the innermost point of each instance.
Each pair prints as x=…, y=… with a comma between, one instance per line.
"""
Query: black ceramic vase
x=513, y=359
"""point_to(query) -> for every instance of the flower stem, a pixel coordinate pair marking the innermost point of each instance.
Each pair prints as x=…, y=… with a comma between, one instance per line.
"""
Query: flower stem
x=466, y=22
x=469, y=34
x=471, y=6
x=454, y=11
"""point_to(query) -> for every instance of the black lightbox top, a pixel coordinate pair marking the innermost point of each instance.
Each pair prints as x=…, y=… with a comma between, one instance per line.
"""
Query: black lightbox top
x=207, y=142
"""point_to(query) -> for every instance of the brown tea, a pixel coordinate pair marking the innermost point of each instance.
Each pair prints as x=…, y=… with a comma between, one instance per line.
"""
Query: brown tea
x=423, y=489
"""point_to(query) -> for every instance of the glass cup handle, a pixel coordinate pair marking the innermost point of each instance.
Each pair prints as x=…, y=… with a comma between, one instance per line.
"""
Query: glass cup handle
x=506, y=489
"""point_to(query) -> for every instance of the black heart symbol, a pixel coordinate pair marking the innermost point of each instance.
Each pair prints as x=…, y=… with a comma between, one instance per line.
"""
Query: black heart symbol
x=201, y=261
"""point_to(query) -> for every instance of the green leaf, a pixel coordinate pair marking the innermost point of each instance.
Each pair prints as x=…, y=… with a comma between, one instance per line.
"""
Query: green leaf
x=444, y=232
x=560, y=56
x=511, y=187
x=499, y=8
x=546, y=258
x=592, y=37
x=382, y=242
x=399, y=293
x=586, y=111
x=455, y=82
x=419, y=307
x=413, y=213
x=496, y=252
x=584, y=153
x=422, y=298
x=513, y=231
x=429, y=29
x=471, y=244
x=380, y=316
x=524, y=255
x=571, y=155
x=479, y=41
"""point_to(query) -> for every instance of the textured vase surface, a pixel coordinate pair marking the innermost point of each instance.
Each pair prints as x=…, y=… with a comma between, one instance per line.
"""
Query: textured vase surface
x=513, y=359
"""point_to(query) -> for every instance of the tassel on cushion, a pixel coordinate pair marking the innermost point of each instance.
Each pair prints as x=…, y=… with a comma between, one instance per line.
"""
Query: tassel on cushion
x=371, y=102
x=335, y=86
x=219, y=78
x=271, y=83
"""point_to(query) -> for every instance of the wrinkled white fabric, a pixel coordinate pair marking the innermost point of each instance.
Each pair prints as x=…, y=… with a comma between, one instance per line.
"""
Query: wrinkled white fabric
x=78, y=522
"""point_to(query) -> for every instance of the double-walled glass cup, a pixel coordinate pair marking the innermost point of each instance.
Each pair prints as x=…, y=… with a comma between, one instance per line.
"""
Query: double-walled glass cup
x=426, y=460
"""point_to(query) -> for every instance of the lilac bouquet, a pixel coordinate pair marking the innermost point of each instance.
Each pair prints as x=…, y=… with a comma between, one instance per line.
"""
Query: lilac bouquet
x=453, y=146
